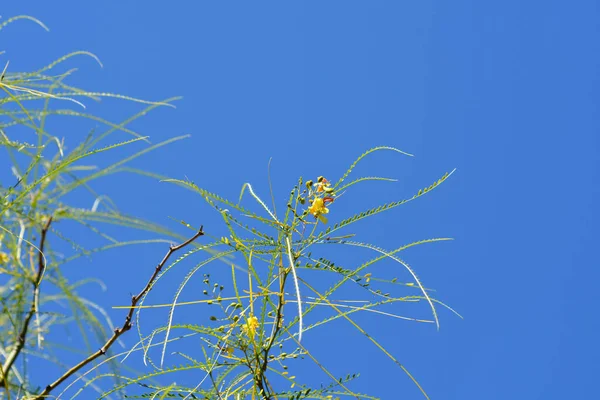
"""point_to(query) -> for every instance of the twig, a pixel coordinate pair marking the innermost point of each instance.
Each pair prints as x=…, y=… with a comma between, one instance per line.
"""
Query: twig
x=215, y=385
x=12, y=357
x=126, y=325
x=276, y=328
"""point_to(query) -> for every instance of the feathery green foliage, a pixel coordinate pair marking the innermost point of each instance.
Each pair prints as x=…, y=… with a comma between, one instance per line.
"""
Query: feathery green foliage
x=36, y=296
x=247, y=350
x=247, y=345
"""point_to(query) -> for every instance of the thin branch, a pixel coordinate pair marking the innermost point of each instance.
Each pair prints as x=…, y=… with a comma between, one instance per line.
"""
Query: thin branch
x=276, y=328
x=215, y=385
x=12, y=357
x=126, y=325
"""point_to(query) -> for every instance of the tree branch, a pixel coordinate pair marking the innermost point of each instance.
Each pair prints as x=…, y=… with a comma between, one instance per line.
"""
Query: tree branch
x=21, y=339
x=126, y=324
x=277, y=326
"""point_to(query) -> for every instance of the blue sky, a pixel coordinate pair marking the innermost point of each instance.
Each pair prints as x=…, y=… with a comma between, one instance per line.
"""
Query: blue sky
x=506, y=92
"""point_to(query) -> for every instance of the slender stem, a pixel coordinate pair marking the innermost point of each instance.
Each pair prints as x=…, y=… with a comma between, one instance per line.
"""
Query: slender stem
x=277, y=327
x=21, y=339
x=215, y=385
x=126, y=324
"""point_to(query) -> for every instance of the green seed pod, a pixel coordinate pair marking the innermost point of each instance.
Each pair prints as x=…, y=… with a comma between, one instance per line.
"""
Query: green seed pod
x=309, y=184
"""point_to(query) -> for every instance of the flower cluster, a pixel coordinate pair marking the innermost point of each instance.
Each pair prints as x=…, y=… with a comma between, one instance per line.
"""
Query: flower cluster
x=321, y=195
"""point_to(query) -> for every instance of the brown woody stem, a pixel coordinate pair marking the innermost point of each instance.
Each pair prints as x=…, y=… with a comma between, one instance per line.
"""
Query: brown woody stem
x=21, y=339
x=126, y=324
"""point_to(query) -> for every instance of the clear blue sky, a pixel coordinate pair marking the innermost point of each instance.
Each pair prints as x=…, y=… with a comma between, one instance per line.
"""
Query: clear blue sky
x=506, y=92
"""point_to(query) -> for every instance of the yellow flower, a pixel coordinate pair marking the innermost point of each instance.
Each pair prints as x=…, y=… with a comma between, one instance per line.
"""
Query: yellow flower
x=249, y=328
x=324, y=185
x=3, y=258
x=317, y=209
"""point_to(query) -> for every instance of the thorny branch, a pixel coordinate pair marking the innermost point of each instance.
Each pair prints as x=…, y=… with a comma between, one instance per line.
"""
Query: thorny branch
x=126, y=324
x=12, y=357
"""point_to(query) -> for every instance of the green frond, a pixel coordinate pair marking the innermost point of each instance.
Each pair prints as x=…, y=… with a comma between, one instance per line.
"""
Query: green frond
x=381, y=208
x=68, y=95
x=131, y=381
x=366, y=153
x=182, y=285
x=228, y=218
x=212, y=196
x=348, y=275
x=440, y=303
x=113, y=246
x=406, y=266
x=367, y=178
x=368, y=306
x=258, y=199
x=370, y=338
x=71, y=113
x=25, y=17
x=134, y=117
x=110, y=169
x=57, y=168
